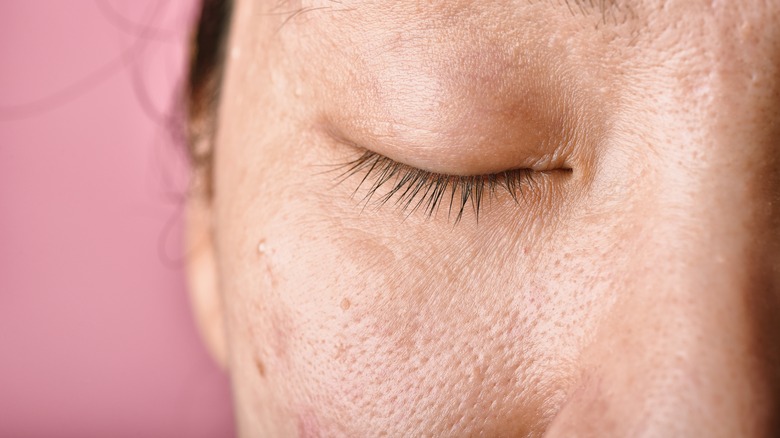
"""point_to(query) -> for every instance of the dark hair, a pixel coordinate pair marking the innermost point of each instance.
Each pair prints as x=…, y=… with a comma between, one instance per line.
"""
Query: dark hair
x=204, y=83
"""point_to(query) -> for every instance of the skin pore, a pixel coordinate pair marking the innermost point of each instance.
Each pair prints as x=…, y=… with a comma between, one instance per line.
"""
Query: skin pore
x=624, y=284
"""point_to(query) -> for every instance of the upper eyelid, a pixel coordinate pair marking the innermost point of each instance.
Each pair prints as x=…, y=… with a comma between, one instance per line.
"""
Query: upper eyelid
x=464, y=156
x=415, y=188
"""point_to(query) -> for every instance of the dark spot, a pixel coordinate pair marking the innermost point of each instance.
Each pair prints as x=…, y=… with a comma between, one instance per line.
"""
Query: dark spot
x=260, y=367
x=345, y=304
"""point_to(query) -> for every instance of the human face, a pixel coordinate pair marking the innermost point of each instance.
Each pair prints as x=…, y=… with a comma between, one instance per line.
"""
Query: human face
x=631, y=288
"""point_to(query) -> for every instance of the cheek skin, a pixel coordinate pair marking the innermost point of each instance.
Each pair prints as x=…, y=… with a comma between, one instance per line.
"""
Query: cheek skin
x=403, y=326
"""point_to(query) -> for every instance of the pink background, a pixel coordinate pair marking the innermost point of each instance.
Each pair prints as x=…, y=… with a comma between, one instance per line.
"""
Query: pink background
x=96, y=338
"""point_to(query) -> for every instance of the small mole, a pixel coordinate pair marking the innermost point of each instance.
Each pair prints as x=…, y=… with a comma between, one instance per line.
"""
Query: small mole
x=260, y=367
x=345, y=304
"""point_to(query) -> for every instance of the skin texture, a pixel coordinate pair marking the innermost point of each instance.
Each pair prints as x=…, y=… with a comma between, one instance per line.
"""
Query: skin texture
x=631, y=291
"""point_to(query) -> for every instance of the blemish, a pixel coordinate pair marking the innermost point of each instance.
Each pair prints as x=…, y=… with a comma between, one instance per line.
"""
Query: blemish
x=260, y=366
x=262, y=247
x=266, y=254
x=345, y=304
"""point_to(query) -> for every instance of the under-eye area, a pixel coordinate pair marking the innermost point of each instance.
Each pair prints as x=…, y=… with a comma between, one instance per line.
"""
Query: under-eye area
x=381, y=181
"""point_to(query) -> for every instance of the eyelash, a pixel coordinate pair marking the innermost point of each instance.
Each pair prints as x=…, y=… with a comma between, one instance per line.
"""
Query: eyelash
x=414, y=188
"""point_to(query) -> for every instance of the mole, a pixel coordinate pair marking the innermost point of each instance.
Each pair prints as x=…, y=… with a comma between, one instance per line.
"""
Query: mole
x=260, y=366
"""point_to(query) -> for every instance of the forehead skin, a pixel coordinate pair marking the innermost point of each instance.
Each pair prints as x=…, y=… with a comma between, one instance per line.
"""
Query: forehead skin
x=352, y=321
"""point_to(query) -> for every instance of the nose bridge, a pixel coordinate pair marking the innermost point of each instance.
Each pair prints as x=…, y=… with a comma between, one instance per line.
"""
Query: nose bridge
x=691, y=347
x=722, y=162
x=703, y=309
x=714, y=232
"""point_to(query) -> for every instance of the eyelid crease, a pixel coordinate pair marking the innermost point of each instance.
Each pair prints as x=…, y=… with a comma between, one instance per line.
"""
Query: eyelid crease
x=415, y=188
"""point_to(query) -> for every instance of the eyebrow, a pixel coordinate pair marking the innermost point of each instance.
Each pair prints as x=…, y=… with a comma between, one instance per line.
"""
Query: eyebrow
x=609, y=12
x=608, y=9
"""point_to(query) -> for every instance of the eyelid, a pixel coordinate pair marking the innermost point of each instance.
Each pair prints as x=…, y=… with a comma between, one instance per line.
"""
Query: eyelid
x=415, y=189
x=475, y=160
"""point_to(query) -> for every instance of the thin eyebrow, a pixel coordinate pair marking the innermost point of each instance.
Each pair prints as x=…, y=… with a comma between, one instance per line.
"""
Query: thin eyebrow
x=585, y=6
x=282, y=8
x=610, y=10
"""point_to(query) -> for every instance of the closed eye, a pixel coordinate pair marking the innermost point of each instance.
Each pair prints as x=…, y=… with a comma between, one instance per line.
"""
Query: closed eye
x=412, y=189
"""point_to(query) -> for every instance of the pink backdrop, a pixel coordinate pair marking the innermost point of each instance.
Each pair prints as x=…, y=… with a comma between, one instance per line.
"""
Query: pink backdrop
x=96, y=338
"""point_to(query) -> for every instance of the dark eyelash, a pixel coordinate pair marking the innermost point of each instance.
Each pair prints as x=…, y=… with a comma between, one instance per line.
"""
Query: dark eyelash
x=414, y=188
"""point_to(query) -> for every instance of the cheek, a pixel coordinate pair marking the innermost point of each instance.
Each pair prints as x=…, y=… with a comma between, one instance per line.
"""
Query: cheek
x=351, y=330
x=343, y=322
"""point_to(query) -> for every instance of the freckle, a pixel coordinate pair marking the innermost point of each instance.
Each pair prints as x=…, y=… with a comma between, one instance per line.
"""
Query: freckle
x=345, y=304
x=260, y=367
